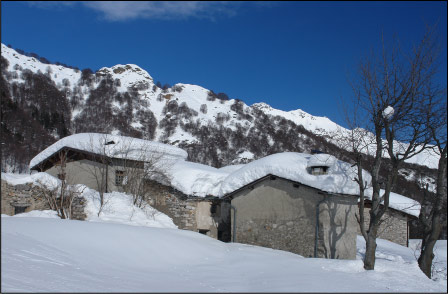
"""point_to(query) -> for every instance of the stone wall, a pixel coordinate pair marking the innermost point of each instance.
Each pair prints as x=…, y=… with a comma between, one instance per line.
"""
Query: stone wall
x=194, y=214
x=280, y=214
x=78, y=208
x=393, y=228
x=24, y=195
x=28, y=197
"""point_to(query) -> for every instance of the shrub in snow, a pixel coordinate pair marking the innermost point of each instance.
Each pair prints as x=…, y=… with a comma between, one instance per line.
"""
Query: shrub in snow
x=221, y=118
x=211, y=96
x=203, y=108
x=222, y=96
x=177, y=88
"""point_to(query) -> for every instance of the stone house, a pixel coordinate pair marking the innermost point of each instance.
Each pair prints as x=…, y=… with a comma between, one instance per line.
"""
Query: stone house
x=302, y=203
x=306, y=204
x=296, y=202
x=98, y=160
x=282, y=214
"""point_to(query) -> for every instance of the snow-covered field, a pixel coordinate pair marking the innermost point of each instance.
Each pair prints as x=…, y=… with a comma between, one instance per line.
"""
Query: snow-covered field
x=41, y=254
x=131, y=249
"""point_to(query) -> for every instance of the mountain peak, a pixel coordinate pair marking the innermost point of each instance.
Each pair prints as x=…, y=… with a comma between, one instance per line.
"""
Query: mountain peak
x=262, y=106
x=129, y=74
x=127, y=70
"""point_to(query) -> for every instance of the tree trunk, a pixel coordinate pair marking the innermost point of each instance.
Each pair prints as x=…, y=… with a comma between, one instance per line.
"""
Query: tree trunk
x=369, y=258
x=427, y=255
x=433, y=226
x=61, y=211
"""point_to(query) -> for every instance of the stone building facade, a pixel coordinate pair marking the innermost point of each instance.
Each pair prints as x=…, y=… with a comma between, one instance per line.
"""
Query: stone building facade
x=209, y=216
x=282, y=214
x=22, y=198
x=89, y=173
x=394, y=226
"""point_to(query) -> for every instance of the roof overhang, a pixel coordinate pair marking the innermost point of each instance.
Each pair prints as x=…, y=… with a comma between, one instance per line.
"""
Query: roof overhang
x=272, y=176
x=52, y=159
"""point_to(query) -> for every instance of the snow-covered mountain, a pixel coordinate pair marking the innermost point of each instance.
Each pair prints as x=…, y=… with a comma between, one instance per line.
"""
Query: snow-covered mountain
x=44, y=102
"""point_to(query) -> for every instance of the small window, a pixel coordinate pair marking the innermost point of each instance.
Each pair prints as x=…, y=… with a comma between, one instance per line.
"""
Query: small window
x=204, y=232
x=319, y=170
x=213, y=208
x=119, y=176
x=19, y=209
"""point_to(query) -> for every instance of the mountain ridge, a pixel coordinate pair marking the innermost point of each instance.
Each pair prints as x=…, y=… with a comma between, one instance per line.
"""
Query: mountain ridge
x=123, y=99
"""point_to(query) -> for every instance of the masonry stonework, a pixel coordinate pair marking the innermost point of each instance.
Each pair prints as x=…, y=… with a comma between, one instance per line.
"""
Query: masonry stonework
x=21, y=196
x=78, y=208
x=191, y=213
x=394, y=227
x=279, y=214
x=27, y=197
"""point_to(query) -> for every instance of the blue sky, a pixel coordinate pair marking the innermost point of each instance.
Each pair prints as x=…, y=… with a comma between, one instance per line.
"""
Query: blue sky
x=288, y=54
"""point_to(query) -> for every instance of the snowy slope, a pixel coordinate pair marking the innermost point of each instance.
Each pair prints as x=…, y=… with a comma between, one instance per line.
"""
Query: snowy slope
x=194, y=97
x=53, y=255
x=57, y=72
x=318, y=124
x=335, y=133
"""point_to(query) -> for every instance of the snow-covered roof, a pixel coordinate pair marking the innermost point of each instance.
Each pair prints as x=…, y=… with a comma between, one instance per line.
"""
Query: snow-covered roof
x=293, y=166
x=118, y=147
x=197, y=179
x=201, y=180
x=399, y=202
x=321, y=160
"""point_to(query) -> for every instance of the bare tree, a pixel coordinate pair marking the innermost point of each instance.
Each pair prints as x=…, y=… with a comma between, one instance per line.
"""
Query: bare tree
x=391, y=92
x=101, y=149
x=140, y=167
x=432, y=207
x=61, y=197
x=125, y=164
